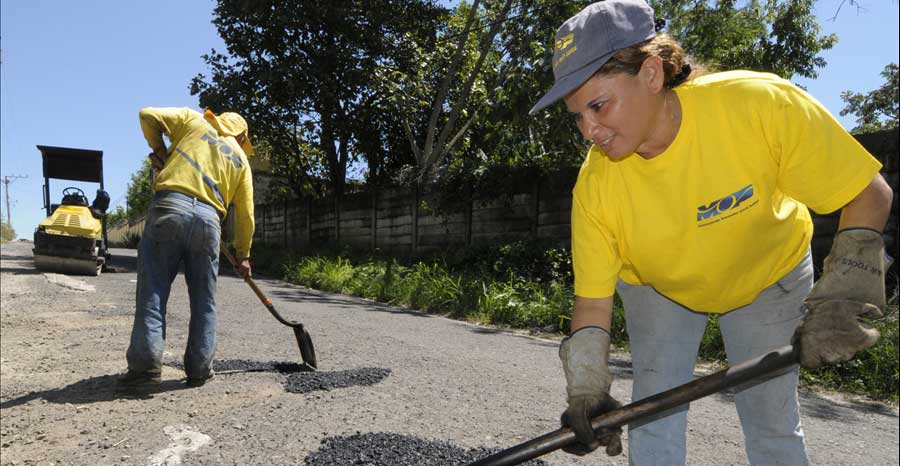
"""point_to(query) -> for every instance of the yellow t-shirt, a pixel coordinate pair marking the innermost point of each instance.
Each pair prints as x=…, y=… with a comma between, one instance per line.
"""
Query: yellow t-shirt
x=203, y=164
x=722, y=213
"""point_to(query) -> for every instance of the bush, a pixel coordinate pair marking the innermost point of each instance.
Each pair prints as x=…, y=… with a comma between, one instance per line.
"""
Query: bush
x=7, y=233
x=132, y=240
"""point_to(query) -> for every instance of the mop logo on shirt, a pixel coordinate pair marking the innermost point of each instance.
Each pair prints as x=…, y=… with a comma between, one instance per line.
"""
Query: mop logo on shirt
x=211, y=139
x=711, y=213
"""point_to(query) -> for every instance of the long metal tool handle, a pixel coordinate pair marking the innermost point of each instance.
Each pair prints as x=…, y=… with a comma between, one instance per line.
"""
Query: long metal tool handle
x=259, y=293
x=762, y=367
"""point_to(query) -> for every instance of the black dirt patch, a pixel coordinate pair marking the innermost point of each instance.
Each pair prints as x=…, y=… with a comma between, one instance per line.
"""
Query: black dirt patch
x=299, y=378
x=387, y=449
x=244, y=365
x=312, y=381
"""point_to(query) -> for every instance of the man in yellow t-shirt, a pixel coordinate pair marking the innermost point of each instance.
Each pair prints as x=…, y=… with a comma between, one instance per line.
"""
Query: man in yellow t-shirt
x=202, y=173
x=694, y=200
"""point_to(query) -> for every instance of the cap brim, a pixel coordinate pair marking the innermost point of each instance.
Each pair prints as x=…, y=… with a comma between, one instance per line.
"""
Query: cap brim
x=570, y=83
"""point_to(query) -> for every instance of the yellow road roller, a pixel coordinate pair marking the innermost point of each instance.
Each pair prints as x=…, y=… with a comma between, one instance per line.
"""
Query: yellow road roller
x=72, y=239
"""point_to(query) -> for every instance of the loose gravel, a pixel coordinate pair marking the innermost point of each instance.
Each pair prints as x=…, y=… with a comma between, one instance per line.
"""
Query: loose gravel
x=389, y=449
x=246, y=365
x=313, y=381
x=299, y=378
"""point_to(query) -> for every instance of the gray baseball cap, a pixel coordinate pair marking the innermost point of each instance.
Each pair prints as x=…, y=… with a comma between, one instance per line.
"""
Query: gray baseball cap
x=586, y=41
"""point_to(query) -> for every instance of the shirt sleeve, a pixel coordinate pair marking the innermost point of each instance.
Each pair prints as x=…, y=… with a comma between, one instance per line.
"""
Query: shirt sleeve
x=158, y=120
x=243, y=211
x=595, y=258
x=820, y=163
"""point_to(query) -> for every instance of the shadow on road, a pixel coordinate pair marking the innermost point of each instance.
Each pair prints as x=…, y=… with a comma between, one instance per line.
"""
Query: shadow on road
x=19, y=271
x=288, y=293
x=92, y=390
x=10, y=257
x=817, y=406
x=813, y=404
x=124, y=264
x=13, y=264
x=295, y=295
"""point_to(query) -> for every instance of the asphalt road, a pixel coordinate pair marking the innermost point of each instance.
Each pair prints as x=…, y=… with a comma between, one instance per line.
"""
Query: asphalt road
x=395, y=386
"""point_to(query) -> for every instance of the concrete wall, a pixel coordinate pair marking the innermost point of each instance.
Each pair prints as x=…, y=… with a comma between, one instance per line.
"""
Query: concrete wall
x=401, y=220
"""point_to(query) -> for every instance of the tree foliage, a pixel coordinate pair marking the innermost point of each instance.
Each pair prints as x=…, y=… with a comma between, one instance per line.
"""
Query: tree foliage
x=413, y=89
x=876, y=109
x=139, y=192
x=117, y=216
x=7, y=233
x=302, y=72
x=778, y=36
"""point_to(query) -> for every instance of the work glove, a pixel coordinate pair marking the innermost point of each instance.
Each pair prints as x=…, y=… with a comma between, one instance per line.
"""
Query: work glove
x=850, y=290
x=158, y=158
x=585, y=360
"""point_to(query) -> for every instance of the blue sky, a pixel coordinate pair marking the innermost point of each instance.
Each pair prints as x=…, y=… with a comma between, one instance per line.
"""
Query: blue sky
x=75, y=74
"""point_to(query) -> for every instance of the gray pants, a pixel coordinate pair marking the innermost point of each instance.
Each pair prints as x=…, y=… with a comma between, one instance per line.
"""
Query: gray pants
x=665, y=338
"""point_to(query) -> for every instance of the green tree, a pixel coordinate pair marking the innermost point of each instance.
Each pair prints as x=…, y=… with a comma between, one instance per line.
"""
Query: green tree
x=877, y=109
x=139, y=192
x=302, y=72
x=117, y=216
x=7, y=233
x=457, y=81
x=778, y=36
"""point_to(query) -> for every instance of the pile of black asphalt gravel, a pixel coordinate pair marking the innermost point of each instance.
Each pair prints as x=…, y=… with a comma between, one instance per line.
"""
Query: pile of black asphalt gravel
x=245, y=365
x=305, y=382
x=299, y=378
x=388, y=449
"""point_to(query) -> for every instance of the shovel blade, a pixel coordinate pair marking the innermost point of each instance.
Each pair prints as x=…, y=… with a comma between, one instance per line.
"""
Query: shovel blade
x=307, y=351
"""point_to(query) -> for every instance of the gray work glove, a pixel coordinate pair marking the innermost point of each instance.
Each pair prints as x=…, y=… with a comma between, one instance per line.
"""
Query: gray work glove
x=585, y=360
x=850, y=289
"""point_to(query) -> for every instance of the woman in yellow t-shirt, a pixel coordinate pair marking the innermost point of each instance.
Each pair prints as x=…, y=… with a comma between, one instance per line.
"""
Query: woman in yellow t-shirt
x=693, y=200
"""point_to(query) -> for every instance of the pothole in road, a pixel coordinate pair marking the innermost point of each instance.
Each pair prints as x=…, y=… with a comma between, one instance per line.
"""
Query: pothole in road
x=388, y=449
x=297, y=377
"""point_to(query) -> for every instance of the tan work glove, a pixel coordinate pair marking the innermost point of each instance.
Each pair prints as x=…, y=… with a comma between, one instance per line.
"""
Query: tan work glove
x=585, y=360
x=850, y=289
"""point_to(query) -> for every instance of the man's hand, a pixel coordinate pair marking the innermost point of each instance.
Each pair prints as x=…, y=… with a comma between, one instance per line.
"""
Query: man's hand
x=850, y=289
x=158, y=158
x=585, y=359
x=242, y=268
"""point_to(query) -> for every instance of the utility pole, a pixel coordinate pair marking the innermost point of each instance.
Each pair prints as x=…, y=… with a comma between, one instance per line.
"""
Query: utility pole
x=6, y=181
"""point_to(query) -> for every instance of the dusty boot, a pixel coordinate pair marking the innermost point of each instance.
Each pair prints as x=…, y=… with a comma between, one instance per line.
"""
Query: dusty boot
x=194, y=382
x=134, y=381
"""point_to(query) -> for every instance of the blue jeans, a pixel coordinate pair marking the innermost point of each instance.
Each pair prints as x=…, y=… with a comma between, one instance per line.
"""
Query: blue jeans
x=179, y=229
x=665, y=338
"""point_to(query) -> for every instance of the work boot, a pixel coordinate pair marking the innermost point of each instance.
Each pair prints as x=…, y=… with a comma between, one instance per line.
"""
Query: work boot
x=132, y=380
x=194, y=382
